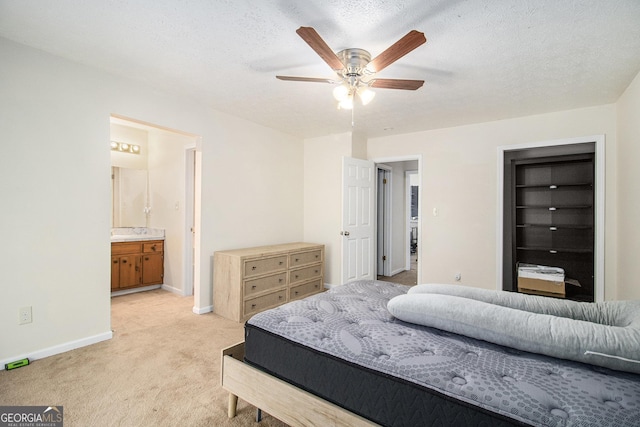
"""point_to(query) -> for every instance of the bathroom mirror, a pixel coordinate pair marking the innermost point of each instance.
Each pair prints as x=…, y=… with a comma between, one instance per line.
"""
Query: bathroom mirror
x=129, y=195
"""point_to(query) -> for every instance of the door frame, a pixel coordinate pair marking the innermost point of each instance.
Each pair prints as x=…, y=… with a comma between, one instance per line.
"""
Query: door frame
x=383, y=227
x=188, y=257
x=407, y=183
x=598, y=283
x=410, y=157
x=192, y=201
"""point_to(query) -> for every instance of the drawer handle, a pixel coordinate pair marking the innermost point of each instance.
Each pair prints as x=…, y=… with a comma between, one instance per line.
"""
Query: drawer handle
x=297, y=259
x=124, y=261
x=552, y=209
x=296, y=276
x=317, y=256
x=115, y=261
x=153, y=248
x=280, y=280
x=253, y=268
x=553, y=252
x=553, y=228
x=316, y=271
x=253, y=287
x=280, y=263
x=279, y=296
x=253, y=306
x=296, y=292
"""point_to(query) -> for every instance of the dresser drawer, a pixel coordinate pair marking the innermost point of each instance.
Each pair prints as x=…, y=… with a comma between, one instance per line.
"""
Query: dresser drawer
x=256, y=286
x=302, y=291
x=254, y=267
x=302, y=258
x=306, y=273
x=153, y=247
x=126, y=248
x=256, y=305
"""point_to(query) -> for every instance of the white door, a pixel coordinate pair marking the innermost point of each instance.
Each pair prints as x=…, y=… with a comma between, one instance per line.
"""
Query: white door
x=358, y=219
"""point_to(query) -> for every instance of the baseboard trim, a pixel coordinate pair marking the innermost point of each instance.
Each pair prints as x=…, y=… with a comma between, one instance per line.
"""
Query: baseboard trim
x=397, y=271
x=134, y=290
x=61, y=348
x=202, y=310
x=173, y=290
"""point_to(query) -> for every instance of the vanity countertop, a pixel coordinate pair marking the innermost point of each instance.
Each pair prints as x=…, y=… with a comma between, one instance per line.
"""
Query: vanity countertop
x=135, y=234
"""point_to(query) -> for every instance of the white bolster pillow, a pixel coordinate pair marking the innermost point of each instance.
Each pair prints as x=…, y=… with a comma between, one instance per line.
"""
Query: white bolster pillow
x=538, y=324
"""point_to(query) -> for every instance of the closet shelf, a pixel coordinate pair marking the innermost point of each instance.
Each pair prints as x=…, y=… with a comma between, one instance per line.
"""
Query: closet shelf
x=554, y=207
x=557, y=186
x=556, y=226
x=556, y=250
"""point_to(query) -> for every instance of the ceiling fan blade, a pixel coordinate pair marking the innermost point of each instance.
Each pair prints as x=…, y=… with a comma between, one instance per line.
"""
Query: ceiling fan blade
x=305, y=79
x=406, y=44
x=316, y=43
x=396, y=84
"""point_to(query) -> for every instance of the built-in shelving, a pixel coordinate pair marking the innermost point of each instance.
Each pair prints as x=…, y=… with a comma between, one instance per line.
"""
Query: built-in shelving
x=552, y=217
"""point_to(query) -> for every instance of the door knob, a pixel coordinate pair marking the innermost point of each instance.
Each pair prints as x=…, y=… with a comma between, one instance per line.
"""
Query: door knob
x=344, y=233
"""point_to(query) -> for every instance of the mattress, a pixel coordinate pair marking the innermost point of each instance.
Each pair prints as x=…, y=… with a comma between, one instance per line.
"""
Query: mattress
x=344, y=346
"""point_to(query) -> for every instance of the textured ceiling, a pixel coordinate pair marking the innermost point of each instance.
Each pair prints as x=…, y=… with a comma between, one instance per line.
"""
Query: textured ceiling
x=484, y=59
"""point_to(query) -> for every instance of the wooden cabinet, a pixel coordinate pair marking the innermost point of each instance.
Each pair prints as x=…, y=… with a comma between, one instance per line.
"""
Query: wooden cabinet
x=136, y=264
x=553, y=217
x=247, y=281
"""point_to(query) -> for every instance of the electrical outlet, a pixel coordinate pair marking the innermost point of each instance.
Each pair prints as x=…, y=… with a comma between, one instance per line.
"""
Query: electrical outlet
x=25, y=316
x=458, y=277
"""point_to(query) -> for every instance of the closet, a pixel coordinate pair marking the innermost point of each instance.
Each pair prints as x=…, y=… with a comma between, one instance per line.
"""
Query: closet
x=549, y=214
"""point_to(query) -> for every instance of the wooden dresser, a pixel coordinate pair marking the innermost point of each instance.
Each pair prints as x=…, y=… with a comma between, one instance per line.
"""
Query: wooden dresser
x=247, y=281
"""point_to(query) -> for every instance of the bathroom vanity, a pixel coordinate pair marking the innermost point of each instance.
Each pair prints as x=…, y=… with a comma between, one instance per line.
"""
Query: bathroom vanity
x=137, y=258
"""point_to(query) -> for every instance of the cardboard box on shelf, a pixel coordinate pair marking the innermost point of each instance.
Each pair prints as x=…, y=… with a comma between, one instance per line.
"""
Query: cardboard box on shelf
x=541, y=280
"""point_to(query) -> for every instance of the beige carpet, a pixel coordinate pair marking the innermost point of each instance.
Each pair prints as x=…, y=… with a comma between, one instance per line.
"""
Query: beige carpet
x=160, y=369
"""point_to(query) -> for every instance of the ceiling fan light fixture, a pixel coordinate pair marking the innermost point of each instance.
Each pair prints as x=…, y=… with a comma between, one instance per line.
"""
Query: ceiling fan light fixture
x=355, y=68
x=366, y=95
x=341, y=92
x=346, y=103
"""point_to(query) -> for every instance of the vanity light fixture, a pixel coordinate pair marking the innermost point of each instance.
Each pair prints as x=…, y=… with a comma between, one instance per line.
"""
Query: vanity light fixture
x=125, y=147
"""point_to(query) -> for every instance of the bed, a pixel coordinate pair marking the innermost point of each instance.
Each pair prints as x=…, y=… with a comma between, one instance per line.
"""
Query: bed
x=341, y=358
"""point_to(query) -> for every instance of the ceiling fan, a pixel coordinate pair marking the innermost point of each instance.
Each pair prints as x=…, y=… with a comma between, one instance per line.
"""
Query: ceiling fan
x=355, y=68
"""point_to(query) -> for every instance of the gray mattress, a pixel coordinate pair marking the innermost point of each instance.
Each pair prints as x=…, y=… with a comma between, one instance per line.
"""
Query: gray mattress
x=351, y=323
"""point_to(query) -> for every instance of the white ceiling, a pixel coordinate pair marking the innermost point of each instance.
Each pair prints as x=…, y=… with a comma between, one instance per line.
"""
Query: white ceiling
x=484, y=60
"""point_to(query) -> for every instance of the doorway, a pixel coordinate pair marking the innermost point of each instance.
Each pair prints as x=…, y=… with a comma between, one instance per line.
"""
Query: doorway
x=397, y=222
x=170, y=160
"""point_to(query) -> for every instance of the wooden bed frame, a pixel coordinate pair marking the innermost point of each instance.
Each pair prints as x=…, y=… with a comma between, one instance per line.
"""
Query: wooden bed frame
x=282, y=400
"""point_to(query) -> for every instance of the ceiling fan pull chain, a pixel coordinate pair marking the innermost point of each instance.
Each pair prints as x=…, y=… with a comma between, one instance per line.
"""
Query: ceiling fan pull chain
x=353, y=122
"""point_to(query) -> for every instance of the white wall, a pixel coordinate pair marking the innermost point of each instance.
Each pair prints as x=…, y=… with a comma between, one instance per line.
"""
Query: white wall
x=54, y=184
x=167, y=181
x=323, y=197
x=628, y=213
x=459, y=178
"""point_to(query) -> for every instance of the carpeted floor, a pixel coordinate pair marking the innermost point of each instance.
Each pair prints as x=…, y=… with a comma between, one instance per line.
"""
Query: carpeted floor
x=161, y=368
